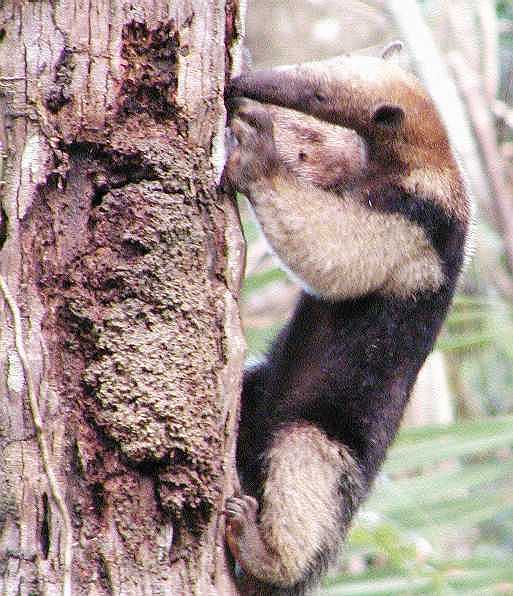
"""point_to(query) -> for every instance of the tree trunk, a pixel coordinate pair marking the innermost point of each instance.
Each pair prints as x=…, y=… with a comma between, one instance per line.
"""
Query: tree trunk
x=120, y=345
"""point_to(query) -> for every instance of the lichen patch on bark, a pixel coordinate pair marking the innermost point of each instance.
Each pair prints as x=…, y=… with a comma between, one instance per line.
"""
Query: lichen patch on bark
x=148, y=403
x=132, y=269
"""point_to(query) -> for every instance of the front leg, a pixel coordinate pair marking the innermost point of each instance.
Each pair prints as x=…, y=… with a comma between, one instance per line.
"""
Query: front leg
x=255, y=158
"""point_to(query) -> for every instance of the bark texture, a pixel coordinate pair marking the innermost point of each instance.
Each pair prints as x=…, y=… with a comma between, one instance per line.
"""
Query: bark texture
x=120, y=346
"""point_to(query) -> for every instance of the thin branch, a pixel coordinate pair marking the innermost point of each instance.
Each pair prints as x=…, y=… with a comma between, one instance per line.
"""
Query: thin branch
x=434, y=73
x=484, y=127
x=67, y=550
x=490, y=46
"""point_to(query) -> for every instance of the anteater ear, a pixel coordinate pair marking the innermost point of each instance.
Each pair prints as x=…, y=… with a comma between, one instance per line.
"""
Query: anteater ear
x=388, y=115
x=392, y=50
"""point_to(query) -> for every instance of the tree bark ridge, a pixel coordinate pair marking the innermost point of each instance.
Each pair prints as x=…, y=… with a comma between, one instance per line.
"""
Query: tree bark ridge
x=124, y=263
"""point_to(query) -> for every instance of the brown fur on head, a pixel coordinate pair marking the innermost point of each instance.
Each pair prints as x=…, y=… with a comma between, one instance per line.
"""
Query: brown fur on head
x=373, y=96
x=406, y=142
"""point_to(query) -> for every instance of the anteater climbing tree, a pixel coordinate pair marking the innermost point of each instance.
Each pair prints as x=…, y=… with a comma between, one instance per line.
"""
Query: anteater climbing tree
x=120, y=348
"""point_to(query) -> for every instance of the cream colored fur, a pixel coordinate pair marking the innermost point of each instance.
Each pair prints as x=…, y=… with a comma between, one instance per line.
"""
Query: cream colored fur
x=339, y=246
x=440, y=186
x=301, y=501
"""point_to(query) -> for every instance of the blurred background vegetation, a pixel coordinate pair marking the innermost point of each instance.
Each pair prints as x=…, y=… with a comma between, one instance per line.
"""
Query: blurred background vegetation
x=440, y=520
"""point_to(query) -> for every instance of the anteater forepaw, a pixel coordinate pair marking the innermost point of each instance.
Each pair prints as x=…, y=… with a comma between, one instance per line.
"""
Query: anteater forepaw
x=240, y=511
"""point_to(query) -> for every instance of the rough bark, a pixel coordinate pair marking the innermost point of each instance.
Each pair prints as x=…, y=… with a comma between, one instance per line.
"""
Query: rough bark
x=120, y=346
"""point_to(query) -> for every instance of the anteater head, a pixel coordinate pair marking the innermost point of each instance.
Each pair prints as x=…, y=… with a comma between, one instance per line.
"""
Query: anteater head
x=385, y=105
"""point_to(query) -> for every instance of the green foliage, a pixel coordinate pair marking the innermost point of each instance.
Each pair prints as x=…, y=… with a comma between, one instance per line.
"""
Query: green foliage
x=477, y=577
x=443, y=489
x=259, y=280
x=259, y=339
x=478, y=341
x=505, y=9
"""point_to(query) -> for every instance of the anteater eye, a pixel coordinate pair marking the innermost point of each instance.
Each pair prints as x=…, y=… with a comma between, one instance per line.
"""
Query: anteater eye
x=320, y=97
x=302, y=156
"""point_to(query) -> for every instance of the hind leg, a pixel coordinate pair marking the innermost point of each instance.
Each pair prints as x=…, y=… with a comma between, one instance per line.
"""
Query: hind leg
x=311, y=488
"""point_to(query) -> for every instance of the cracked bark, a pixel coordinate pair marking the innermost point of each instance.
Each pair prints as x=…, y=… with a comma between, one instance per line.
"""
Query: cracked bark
x=120, y=344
